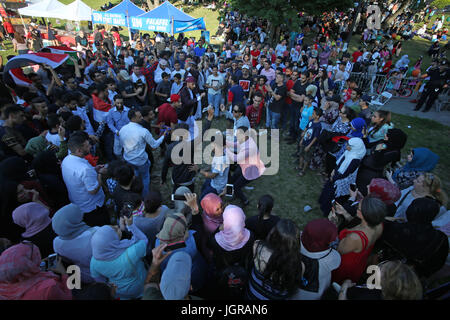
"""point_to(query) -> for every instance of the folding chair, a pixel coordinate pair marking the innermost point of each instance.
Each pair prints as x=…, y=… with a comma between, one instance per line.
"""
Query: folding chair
x=380, y=100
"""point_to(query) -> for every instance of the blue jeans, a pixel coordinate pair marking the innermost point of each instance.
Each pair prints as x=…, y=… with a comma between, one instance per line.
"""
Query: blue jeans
x=144, y=172
x=274, y=119
x=214, y=100
x=294, y=111
x=284, y=115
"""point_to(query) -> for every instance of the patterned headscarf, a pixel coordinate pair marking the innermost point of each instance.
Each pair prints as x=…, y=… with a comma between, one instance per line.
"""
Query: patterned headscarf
x=19, y=271
x=381, y=188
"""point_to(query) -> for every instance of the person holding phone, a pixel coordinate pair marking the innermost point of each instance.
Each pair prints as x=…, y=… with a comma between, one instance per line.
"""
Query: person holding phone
x=22, y=279
x=110, y=253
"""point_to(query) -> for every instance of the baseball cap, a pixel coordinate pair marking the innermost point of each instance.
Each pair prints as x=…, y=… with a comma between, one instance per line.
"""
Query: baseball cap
x=190, y=79
x=163, y=62
x=174, y=97
x=245, y=67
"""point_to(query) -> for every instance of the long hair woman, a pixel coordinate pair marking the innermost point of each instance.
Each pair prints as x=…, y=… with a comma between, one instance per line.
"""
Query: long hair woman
x=263, y=223
x=277, y=267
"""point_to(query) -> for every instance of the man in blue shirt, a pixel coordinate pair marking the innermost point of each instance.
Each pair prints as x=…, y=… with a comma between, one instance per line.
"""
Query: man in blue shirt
x=200, y=49
x=117, y=117
x=236, y=94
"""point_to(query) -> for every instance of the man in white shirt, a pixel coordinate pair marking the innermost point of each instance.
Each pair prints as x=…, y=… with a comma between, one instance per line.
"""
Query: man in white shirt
x=177, y=69
x=162, y=67
x=84, y=182
x=133, y=138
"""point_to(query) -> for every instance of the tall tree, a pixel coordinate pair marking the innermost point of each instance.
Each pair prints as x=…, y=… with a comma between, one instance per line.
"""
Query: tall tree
x=279, y=12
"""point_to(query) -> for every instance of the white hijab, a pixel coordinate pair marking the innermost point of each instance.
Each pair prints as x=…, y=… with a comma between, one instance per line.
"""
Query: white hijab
x=358, y=151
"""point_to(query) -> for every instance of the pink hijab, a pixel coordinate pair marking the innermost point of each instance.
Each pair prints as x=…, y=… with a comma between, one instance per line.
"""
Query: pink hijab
x=33, y=217
x=234, y=235
x=20, y=272
x=211, y=220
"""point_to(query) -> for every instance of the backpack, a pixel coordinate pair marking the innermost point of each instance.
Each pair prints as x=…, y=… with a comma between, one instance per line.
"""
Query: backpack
x=233, y=281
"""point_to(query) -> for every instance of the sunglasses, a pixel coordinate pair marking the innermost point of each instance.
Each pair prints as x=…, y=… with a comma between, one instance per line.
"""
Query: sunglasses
x=234, y=110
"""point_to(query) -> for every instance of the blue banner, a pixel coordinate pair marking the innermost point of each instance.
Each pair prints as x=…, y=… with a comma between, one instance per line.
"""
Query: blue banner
x=184, y=26
x=115, y=19
x=165, y=25
x=151, y=24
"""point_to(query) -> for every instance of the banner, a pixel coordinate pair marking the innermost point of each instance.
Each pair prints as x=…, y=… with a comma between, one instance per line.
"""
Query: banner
x=151, y=24
x=184, y=26
x=115, y=19
x=165, y=25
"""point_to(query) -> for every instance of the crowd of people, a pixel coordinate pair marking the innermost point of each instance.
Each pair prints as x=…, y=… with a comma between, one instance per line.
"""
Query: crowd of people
x=78, y=152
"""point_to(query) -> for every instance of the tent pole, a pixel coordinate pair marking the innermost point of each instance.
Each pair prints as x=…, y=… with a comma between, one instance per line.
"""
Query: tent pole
x=23, y=22
x=173, y=27
x=129, y=31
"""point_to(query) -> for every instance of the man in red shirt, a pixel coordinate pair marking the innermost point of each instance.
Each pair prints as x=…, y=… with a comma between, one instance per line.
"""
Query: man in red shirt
x=253, y=111
x=357, y=54
x=9, y=28
x=254, y=54
x=167, y=114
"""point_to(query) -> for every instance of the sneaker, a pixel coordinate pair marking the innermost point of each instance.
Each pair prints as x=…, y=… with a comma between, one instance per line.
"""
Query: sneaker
x=249, y=188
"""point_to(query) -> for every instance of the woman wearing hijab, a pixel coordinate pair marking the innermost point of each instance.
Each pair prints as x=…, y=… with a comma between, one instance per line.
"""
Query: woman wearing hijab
x=343, y=175
x=211, y=220
x=417, y=241
x=403, y=63
x=419, y=160
x=233, y=244
x=16, y=188
x=277, y=267
x=22, y=279
x=73, y=240
x=120, y=261
x=388, y=151
x=319, y=257
x=175, y=234
x=357, y=125
x=34, y=218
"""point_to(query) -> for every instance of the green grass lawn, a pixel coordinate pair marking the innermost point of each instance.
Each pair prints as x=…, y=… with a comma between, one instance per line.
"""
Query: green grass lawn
x=292, y=193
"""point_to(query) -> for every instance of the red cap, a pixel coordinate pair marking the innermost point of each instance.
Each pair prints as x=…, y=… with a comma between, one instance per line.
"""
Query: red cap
x=174, y=97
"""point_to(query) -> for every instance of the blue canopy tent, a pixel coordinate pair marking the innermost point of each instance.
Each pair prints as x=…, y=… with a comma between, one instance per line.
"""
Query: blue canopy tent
x=118, y=15
x=167, y=18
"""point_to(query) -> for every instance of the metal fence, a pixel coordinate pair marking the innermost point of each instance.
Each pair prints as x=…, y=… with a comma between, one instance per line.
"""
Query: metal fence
x=378, y=83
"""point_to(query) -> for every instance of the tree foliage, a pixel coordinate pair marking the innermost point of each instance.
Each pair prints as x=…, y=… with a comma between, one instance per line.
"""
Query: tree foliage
x=441, y=4
x=280, y=11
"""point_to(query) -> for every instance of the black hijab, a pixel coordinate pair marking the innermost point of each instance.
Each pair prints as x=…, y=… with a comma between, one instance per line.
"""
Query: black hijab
x=396, y=139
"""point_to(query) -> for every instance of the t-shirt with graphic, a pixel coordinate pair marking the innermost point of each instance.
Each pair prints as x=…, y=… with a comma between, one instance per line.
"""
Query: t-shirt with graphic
x=277, y=105
x=312, y=131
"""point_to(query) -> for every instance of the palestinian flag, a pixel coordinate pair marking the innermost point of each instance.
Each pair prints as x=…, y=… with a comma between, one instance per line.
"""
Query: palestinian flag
x=11, y=74
x=63, y=50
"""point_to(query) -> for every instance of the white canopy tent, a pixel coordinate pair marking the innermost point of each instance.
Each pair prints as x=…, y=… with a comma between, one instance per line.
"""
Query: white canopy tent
x=45, y=9
x=76, y=11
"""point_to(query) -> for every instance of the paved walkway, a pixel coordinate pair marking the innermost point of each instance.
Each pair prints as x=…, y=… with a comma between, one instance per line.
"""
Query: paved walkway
x=403, y=106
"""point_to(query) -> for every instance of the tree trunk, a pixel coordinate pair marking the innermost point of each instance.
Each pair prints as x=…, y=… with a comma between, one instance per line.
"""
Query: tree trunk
x=355, y=20
x=400, y=10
